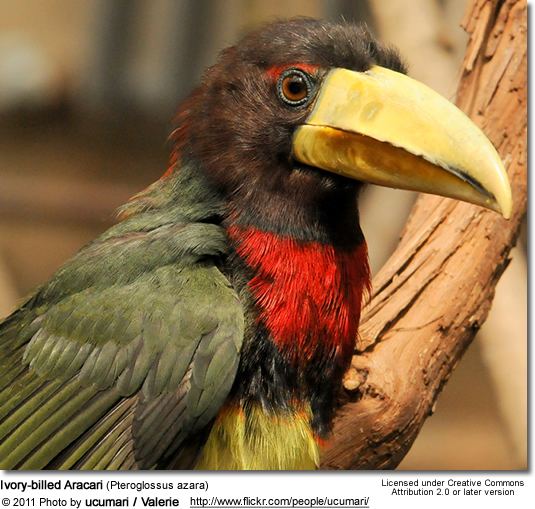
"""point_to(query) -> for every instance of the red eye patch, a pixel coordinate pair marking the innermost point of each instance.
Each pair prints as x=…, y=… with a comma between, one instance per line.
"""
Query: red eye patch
x=275, y=71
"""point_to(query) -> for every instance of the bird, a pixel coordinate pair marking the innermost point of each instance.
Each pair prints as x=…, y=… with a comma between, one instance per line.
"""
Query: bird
x=210, y=328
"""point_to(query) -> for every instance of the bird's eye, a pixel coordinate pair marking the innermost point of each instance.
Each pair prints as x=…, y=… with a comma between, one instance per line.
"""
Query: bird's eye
x=295, y=87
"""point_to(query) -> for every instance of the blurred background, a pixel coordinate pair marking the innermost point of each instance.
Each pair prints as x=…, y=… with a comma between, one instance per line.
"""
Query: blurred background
x=88, y=89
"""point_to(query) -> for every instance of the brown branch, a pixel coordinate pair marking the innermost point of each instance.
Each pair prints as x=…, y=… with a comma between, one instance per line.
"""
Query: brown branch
x=433, y=294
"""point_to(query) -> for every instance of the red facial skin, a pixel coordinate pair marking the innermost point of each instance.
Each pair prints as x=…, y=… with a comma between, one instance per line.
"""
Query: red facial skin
x=274, y=72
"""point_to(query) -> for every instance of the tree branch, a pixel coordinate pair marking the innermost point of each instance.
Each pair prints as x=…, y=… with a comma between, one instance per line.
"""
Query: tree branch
x=433, y=294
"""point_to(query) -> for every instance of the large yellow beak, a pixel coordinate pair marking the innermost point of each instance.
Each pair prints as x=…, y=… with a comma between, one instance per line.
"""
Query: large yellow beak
x=385, y=128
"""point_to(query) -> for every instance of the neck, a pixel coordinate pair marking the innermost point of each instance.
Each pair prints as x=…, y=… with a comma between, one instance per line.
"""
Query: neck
x=307, y=213
x=305, y=273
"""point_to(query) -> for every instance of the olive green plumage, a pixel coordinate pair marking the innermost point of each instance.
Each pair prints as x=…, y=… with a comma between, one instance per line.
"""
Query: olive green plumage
x=139, y=332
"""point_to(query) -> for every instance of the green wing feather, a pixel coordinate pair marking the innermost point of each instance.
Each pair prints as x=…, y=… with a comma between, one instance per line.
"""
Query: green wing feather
x=125, y=356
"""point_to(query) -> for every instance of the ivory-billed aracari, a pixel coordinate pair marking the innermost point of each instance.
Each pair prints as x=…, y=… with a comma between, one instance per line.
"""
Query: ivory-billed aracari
x=212, y=325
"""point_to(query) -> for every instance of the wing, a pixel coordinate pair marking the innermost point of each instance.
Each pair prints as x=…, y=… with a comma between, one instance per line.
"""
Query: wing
x=124, y=357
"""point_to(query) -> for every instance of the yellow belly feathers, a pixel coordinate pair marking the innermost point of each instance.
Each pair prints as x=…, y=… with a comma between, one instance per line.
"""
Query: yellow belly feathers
x=252, y=439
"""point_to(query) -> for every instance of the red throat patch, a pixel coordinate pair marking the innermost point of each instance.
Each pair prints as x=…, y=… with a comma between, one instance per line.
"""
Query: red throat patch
x=309, y=294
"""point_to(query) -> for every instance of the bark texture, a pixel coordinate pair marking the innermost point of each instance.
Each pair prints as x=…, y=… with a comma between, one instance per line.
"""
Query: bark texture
x=435, y=291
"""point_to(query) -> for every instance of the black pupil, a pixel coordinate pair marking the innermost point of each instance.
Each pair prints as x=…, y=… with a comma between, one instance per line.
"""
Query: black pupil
x=296, y=85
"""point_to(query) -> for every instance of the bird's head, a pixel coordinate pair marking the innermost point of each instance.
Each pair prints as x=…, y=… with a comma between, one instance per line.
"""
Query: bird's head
x=304, y=111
